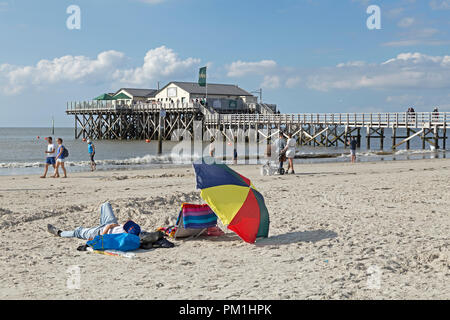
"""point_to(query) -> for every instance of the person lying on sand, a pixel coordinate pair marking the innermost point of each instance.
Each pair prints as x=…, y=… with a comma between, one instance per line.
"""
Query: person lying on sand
x=109, y=225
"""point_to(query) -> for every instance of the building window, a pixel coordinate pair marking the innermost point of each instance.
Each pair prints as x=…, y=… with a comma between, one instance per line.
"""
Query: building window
x=172, y=92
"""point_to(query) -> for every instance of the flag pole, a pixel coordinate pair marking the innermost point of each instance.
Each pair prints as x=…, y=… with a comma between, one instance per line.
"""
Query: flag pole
x=206, y=82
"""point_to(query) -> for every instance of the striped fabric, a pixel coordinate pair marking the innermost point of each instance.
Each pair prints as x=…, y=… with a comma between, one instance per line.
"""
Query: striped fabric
x=196, y=216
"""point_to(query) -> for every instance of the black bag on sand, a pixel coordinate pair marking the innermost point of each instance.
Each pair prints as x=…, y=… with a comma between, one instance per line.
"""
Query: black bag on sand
x=163, y=243
x=151, y=240
x=148, y=238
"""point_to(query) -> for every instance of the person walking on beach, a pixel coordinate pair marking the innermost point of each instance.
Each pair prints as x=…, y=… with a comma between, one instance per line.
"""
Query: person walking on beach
x=353, y=144
x=290, y=152
x=212, y=148
x=280, y=145
x=50, y=161
x=60, y=159
x=91, y=150
x=108, y=225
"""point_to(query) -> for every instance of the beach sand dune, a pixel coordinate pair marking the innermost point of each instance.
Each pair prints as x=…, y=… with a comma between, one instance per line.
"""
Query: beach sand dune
x=338, y=231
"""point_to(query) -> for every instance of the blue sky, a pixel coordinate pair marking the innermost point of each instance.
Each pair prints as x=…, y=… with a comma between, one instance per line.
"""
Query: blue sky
x=307, y=55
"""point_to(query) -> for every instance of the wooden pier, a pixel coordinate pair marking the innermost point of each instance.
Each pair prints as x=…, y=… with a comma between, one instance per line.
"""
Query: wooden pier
x=334, y=129
x=97, y=120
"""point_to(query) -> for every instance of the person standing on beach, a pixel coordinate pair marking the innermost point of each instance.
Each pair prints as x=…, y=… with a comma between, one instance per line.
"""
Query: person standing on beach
x=212, y=148
x=91, y=150
x=50, y=156
x=290, y=152
x=353, y=144
x=60, y=159
x=280, y=145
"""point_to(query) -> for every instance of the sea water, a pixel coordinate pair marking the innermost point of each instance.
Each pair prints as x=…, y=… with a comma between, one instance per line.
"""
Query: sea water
x=22, y=152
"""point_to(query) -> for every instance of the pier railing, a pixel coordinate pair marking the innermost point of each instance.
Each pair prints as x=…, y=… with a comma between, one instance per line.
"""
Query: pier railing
x=382, y=120
x=112, y=106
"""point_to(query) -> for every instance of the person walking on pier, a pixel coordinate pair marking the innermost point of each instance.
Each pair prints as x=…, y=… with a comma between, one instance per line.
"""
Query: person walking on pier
x=436, y=114
x=50, y=156
x=91, y=150
x=353, y=144
x=60, y=159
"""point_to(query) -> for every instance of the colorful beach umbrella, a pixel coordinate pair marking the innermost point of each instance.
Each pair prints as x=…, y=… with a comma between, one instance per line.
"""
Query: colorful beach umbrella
x=234, y=199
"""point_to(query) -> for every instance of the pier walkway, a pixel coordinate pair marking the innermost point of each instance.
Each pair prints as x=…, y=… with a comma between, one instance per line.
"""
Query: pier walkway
x=107, y=120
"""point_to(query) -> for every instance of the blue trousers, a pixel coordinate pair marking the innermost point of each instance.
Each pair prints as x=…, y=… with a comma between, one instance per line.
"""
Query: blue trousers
x=106, y=217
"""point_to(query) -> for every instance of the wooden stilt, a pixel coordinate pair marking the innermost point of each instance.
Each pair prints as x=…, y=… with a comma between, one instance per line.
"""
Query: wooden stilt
x=394, y=136
x=444, y=139
x=368, y=138
x=436, y=136
x=408, y=133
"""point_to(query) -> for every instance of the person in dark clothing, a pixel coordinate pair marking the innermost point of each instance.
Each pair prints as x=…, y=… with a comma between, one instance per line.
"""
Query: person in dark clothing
x=353, y=144
x=280, y=145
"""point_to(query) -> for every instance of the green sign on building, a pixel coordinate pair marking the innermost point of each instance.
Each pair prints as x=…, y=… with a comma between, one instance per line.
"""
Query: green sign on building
x=202, y=77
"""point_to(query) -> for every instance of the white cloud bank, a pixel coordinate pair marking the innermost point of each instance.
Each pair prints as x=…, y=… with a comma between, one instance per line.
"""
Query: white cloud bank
x=440, y=4
x=406, y=71
x=241, y=69
x=159, y=63
x=108, y=67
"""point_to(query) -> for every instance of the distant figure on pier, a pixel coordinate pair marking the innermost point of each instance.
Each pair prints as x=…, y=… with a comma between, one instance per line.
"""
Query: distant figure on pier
x=50, y=156
x=353, y=144
x=290, y=152
x=60, y=158
x=436, y=114
x=411, y=114
x=280, y=145
x=91, y=151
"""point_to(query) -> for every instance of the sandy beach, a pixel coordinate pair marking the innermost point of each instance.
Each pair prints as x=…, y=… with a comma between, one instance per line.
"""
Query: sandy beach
x=338, y=231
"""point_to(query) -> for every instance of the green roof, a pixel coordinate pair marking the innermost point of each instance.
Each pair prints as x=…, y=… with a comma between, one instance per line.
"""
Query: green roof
x=121, y=96
x=104, y=96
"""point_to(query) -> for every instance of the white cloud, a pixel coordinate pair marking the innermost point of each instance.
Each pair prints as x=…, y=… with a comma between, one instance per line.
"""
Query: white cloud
x=292, y=82
x=406, y=59
x=152, y=1
x=406, y=71
x=406, y=99
x=395, y=12
x=14, y=79
x=416, y=42
x=406, y=22
x=4, y=6
x=271, y=82
x=351, y=64
x=440, y=4
x=159, y=64
x=241, y=68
